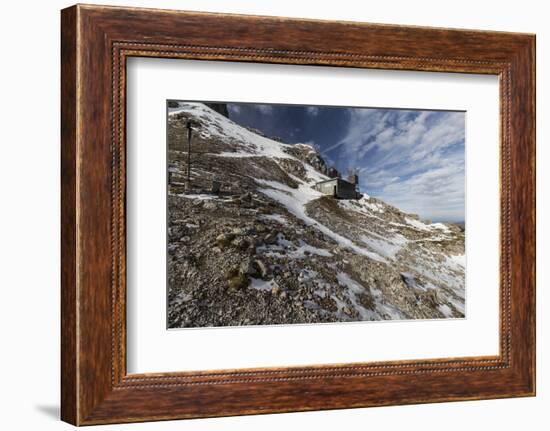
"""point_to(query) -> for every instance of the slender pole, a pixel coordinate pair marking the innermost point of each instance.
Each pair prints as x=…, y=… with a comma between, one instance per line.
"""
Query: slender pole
x=189, y=129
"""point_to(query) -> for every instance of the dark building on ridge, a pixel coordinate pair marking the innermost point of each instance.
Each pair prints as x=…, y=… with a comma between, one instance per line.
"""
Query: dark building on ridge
x=340, y=188
x=220, y=108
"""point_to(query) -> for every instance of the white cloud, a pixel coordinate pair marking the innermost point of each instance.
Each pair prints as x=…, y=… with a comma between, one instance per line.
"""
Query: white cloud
x=264, y=109
x=234, y=109
x=413, y=160
x=312, y=110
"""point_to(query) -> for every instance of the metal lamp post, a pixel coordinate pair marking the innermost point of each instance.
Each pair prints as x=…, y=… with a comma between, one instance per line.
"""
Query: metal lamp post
x=190, y=124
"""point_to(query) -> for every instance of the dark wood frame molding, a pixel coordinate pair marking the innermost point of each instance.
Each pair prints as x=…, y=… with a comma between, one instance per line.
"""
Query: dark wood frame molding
x=95, y=43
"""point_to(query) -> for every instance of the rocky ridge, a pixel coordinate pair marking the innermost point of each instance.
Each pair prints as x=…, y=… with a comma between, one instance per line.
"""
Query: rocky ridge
x=268, y=249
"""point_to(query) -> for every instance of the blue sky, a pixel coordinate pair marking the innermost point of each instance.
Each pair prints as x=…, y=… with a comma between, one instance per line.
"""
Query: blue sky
x=411, y=159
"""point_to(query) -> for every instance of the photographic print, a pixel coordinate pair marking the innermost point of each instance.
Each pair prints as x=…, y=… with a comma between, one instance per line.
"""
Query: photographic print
x=294, y=214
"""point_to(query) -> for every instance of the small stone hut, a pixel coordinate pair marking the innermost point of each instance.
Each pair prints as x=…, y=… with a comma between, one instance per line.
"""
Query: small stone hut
x=340, y=188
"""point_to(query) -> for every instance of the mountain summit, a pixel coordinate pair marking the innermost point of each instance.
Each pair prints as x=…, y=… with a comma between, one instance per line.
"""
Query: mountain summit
x=251, y=241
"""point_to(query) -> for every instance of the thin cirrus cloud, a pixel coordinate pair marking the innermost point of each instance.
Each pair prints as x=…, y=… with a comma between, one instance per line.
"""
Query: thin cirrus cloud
x=265, y=109
x=412, y=159
x=312, y=110
x=234, y=109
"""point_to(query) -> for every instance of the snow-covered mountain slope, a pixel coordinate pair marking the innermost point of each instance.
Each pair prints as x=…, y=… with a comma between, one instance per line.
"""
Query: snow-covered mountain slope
x=269, y=249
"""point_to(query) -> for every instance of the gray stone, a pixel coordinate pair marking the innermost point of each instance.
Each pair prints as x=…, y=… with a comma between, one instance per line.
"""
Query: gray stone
x=262, y=267
x=248, y=267
x=210, y=205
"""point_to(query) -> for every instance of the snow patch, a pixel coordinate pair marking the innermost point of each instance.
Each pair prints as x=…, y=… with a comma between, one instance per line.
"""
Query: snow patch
x=381, y=310
x=387, y=247
x=362, y=206
x=305, y=247
x=417, y=224
x=295, y=201
x=457, y=260
x=214, y=124
x=441, y=226
x=291, y=250
x=445, y=310
x=427, y=227
x=313, y=175
x=307, y=274
x=259, y=284
x=200, y=197
x=275, y=217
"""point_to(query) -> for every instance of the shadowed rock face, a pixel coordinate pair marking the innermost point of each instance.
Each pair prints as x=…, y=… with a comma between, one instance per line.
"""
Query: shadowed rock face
x=269, y=249
x=220, y=108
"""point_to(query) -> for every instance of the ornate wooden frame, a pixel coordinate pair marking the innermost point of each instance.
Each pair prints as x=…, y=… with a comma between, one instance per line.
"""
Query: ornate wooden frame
x=95, y=42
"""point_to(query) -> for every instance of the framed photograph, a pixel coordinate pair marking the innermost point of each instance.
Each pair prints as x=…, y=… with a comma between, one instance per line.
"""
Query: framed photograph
x=292, y=239
x=266, y=215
